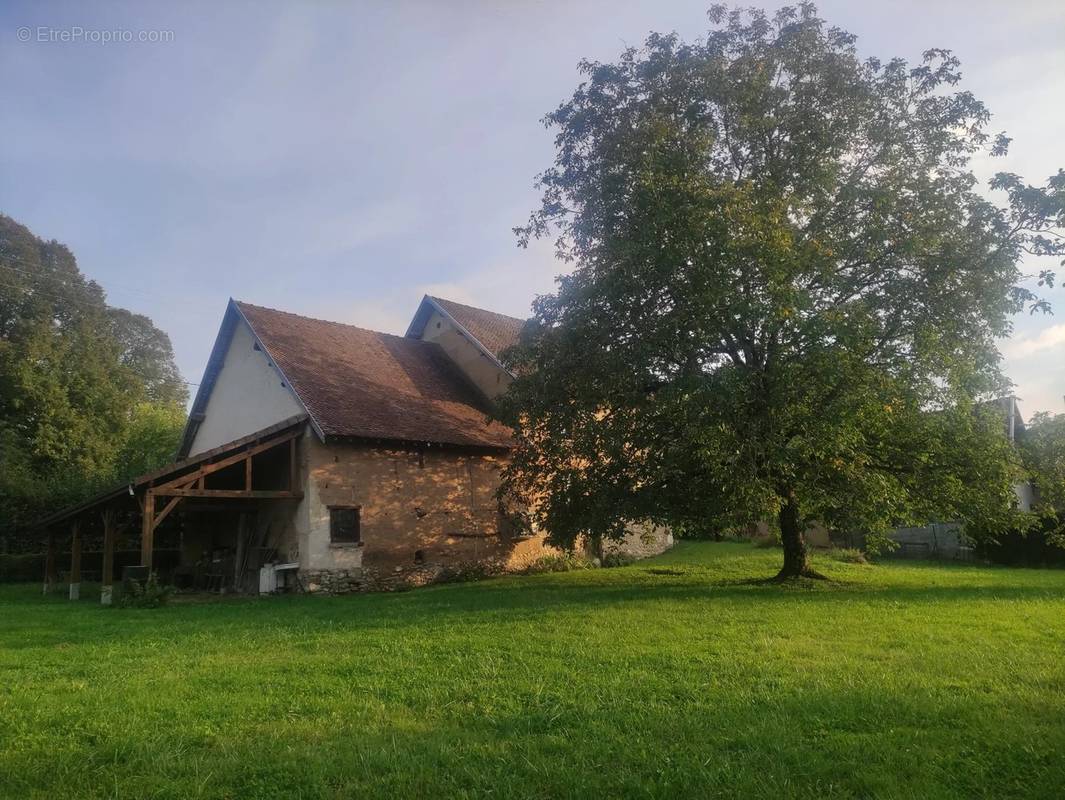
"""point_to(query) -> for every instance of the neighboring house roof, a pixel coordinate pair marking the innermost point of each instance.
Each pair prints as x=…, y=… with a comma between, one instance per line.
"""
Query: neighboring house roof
x=1011, y=412
x=1007, y=407
x=493, y=332
x=364, y=384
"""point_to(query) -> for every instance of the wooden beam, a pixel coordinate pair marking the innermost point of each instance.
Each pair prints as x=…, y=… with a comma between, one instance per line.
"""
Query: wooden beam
x=51, y=576
x=148, y=529
x=184, y=483
x=75, y=560
x=247, y=474
x=107, y=570
x=229, y=461
x=166, y=510
x=232, y=494
x=194, y=505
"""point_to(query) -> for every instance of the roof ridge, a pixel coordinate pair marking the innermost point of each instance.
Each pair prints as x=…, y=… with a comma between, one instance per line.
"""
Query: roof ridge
x=244, y=303
x=476, y=308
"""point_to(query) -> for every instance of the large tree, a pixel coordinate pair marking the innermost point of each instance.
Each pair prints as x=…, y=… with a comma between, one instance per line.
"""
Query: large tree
x=785, y=292
x=82, y=385
x=147, y=352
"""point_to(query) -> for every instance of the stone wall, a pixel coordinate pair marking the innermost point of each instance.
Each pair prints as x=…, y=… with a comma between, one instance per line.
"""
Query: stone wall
x=935, y=540
x=332, y=581
x=423, y=512
x=426, y=515
x=342, y=581
x=642, y=540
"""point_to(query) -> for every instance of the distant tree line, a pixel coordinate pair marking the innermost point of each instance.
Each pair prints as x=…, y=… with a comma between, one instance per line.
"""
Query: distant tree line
x=89, y=394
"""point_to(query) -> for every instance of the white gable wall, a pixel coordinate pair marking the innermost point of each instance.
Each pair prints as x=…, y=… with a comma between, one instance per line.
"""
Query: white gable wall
x=248, y=395
x=468, y=357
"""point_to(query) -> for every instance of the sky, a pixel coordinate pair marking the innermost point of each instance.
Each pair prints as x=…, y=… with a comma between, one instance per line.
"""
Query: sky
x=340, y=160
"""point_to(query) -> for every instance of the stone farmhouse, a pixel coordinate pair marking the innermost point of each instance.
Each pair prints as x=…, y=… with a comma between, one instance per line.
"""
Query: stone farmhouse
x=328, y=457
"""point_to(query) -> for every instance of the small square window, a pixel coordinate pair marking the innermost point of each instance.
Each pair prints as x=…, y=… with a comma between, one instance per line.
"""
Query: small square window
x=344, y=525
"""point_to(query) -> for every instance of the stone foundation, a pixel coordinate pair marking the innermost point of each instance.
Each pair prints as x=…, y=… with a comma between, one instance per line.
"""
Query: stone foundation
x=368, y=579
x=332, y=581
x=642, y=541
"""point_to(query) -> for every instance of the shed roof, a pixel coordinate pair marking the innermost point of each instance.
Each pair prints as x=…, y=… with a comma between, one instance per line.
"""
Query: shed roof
x=175, y=469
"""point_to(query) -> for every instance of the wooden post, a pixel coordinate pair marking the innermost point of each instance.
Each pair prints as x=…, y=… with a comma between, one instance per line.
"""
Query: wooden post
x=107, y=572
x=247, y=474
x=147, y=530
x=241, y=552
x=75, y=560
x=50, y=576
x=292, y=466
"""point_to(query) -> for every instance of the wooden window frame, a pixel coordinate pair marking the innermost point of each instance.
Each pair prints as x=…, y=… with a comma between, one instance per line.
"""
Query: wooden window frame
x=358, y=525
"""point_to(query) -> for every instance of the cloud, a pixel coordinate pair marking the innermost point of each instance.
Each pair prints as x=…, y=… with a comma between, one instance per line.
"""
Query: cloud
x=1054, y=336
x=509, y=285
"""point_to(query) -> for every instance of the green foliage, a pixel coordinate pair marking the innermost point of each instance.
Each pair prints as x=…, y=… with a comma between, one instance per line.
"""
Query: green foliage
x=151, y=439
x=469, y=571
x=561, y=562
x=16, y=568
x=694, y=530
x=1038, y=544
x=785, y=295
x=150, y=594
x=696, y=680
x=879, y=543
x=848, y=555
x=617, y=559
x=83, y=386
x=147, y=352
x=1043, y=452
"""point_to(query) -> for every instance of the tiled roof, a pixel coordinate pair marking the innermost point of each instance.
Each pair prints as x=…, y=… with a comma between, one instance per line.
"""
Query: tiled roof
x=361, y=383
x=495, y=331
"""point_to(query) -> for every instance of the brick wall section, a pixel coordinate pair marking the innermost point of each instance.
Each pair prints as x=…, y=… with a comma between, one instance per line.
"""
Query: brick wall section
x=423, y=514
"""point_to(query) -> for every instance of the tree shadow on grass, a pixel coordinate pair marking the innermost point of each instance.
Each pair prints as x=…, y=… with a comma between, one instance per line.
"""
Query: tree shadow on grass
x=56, y=622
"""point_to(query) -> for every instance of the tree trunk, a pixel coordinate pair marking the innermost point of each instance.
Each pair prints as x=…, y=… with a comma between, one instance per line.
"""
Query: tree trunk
x=597, y=546
x=796, y=562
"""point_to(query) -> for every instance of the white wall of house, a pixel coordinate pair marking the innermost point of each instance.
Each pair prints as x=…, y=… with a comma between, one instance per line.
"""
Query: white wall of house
x=1025, y=496
x=248, y=395
x=478, y=367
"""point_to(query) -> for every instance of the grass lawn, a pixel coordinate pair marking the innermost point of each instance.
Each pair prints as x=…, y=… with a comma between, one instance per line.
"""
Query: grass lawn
x=671, y=678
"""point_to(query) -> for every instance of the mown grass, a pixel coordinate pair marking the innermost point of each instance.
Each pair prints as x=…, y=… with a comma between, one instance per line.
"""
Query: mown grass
x=675, y=677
